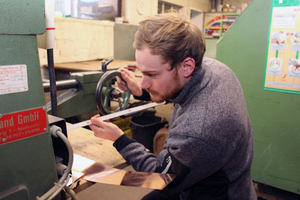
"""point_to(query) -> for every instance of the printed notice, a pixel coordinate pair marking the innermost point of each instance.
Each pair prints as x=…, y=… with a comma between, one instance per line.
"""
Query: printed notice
x=284, y=21
x=282, y=69
x=13, y=79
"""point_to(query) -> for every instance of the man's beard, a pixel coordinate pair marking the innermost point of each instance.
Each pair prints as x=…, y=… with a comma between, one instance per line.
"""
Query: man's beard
x=168, y=94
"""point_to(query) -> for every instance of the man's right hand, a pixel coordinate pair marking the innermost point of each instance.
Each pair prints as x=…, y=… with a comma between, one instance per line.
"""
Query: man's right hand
x=132, y=83
x=105, y=129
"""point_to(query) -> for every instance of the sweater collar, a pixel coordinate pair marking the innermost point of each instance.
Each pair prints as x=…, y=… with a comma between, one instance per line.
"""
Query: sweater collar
x=197, y=82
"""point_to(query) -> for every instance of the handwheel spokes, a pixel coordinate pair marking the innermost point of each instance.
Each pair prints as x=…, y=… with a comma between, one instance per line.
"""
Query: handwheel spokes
x=108, y=84
x=106, y=101
x=106, y=92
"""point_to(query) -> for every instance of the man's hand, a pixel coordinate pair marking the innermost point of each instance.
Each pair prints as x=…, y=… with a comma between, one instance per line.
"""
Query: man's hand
x=105, y=130
x=132, y=83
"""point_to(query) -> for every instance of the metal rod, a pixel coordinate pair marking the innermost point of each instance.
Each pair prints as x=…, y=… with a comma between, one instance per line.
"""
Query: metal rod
x=119, y=10
x=62, y=85
x=213, y=4
x=52, y=82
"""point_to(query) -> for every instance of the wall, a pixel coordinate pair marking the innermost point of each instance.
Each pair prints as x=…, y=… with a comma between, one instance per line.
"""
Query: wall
x=123, y=40
x=80, y=40
x=203, y=5
x=237, y=3
x=134, y=11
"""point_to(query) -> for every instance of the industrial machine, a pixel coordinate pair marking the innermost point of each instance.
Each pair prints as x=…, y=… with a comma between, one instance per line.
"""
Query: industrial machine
x=83, y=89
x=274, y=113
x=35, y=154
x=31, y=152
x=26, y=152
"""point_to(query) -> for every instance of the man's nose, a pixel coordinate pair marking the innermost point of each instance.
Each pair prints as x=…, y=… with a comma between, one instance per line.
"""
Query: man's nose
x=145, y=82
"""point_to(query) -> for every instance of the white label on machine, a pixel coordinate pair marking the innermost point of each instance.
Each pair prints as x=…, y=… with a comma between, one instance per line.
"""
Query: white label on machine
x=116, y=114
x=13, y=79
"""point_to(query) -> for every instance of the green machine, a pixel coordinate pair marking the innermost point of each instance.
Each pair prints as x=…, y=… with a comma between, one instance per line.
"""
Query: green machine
x=89, y=93
x=27, y=163
x=275, y=113
x=35, y=158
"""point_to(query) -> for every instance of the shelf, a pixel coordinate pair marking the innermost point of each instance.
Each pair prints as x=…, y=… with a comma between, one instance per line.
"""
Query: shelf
x=214, y=28
x=223, y=13
x=218, y=23
x=218, y=28
x=230, y=21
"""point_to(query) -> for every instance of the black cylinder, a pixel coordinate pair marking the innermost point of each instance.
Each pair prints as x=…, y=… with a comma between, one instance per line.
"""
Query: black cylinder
x=144, y=129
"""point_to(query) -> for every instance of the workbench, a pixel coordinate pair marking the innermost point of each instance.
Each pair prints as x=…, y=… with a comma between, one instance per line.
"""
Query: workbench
x=94, y=65
x=85, y=144
x=63, y=70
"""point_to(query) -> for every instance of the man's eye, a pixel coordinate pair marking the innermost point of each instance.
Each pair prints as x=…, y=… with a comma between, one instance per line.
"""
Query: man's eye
x=150, y=75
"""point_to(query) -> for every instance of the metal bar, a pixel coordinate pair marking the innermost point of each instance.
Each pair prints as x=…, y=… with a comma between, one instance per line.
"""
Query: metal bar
x=52, y=82
x=62, y=85
x=116, y=114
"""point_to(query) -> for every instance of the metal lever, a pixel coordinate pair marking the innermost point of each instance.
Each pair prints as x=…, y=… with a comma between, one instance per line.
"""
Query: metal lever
x=105, y=63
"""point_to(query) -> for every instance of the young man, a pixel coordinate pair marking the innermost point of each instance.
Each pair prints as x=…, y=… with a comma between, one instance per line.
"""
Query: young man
x=210, y=140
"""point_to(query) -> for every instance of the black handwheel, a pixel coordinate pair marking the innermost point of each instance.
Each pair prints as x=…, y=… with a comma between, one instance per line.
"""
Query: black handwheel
x=106, y=91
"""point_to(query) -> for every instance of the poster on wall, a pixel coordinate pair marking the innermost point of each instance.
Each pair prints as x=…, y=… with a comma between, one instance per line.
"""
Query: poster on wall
x=282, y=68
x=212, y=25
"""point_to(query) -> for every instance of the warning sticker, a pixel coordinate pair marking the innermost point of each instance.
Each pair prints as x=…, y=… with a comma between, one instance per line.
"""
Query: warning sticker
x=23, y=124
x=13, y=79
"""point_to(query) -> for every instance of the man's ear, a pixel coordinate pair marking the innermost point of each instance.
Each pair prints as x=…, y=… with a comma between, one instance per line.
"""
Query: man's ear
x=188, y=66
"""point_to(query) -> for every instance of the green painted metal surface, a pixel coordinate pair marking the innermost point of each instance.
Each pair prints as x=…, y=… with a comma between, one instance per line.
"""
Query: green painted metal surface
x=275, y=116
x=76, y=102
x=27, y=166
x=19, y=49
x=19, y=17
x=88, y=81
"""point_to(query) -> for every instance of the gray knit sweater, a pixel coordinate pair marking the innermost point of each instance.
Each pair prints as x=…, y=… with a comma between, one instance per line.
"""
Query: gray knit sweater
x=210, y=139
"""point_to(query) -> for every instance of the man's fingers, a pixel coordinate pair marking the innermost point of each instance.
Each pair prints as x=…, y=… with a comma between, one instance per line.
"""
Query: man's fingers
x=127, y=73
x=125, y=76
x=119, y=80
x=94, y=128
x=96, y=121
x=96, y=116
x=122, y=86
x=129, y=80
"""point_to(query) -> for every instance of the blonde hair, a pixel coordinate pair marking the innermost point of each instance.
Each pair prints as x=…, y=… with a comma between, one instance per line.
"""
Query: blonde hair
x=171, y=36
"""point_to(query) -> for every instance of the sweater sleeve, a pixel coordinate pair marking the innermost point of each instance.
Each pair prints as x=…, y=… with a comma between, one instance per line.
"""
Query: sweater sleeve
x=144, y=97
x=135, y=154
x=169, y=160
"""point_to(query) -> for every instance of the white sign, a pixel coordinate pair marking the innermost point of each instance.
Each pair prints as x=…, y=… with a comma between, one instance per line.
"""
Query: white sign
x=13, y=79
x=284, y=21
